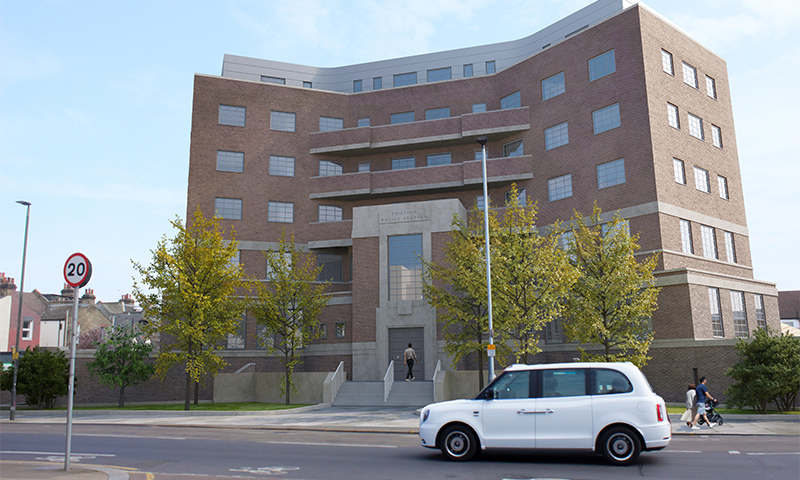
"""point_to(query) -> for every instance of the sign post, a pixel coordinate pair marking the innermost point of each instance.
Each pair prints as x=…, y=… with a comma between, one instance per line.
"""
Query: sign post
x=77, y=272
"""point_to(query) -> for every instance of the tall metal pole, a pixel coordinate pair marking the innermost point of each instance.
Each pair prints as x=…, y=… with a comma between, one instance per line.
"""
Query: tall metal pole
x=19, y=311
x=72, y=341
x=490, y=349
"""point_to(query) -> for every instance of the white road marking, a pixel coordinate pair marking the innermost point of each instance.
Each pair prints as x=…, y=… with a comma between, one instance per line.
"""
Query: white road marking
x=266, y=470
x=776, y=453
x=124, y=436
x=315, y=444
x=734, y=452
x=58, y=453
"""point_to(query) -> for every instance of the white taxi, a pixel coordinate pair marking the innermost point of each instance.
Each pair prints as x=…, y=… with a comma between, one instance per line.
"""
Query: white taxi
x=607, y=408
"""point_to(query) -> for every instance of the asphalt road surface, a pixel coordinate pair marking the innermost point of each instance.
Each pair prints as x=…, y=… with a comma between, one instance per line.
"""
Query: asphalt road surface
x=181, y=453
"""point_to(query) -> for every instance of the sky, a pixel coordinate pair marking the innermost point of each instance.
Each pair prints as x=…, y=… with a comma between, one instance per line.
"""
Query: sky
x=96, y=99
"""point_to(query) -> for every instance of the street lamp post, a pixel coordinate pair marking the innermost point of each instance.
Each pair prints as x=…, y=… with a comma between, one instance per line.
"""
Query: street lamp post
x=490, y=348
x=19, y=311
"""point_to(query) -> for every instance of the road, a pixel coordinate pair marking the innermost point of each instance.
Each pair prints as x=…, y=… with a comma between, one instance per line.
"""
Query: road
x=181, y=453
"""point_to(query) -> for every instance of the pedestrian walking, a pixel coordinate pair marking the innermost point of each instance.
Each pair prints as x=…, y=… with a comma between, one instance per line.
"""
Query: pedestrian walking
x=409, y=357
x=703, y=397
x=691, y=405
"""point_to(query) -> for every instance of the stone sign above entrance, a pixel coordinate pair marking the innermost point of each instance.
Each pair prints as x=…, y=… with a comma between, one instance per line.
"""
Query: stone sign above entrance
x=404, y=215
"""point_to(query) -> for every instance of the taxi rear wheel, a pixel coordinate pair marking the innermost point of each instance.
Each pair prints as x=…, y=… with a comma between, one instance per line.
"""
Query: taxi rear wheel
x=621, y=446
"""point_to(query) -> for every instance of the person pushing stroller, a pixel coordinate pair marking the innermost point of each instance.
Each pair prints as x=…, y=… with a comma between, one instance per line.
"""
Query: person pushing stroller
x=702, y=397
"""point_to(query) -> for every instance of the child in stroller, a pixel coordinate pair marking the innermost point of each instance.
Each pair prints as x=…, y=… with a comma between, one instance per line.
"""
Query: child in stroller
x=712, y=414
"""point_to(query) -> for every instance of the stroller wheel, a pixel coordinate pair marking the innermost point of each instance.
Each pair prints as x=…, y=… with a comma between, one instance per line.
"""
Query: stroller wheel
x=720, y=421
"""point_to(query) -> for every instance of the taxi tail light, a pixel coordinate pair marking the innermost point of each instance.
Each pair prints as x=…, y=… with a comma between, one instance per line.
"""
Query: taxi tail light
x=659, y=413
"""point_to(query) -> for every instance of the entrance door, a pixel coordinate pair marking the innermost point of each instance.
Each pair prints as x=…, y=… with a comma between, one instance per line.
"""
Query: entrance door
x=399, y=338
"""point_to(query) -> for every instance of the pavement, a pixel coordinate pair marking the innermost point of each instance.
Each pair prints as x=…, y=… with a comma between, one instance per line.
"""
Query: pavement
x=317, y=418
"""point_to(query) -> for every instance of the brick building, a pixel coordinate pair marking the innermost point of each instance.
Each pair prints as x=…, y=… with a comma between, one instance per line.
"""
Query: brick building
x=365, y=164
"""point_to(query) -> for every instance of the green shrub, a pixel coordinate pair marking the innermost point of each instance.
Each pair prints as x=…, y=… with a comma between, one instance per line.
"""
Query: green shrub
x=43, y=377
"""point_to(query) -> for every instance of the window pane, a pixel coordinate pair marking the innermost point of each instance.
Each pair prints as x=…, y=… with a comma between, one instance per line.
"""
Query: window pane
x=560, y=187
x=478, y=107
x=563, y=383
x=716, y=136
x=306, y=84
x=696, y=127
x=510, y=101
x=439, y=74
x=666, y=62
x=282, y=121
x=716, y=315
x=722, y=182
x=686, y=237
x=327, y=124
x=711, y=87
x=330, y=213
x=556, y=136
x=701, y=180
x=403, y=79
x=275, y=80
x=339, y=330
x=513, y=385
x=229, y=115
x=709, y=242
x=236, y=340
x=609, y=382
x=553, y=86
x=282, y=212
x=672, y=114
x=363, y=167
x=739, y=314
x=435, y=159
x=689, y=75
x=377, y=83
x=606, y=118
x=761, y=316
x=403, y=163
x=331, y=267
x=602, y=65
x=435, y=113
x=730, y=247
x=328, y=168
x=281, y=166
x=363, y=122
x=513, y=149
x=522, y=197
x=680, y=171
x=357, y=85
x=491, y=67
x=468, y=70
x=611, y=173
x=404, y=117
x=405, y=267
x=230, y=161
x=228, y=208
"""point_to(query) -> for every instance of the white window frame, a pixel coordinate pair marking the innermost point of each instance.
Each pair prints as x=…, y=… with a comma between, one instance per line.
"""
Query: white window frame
x=512, y=100
x=696, y=127
x=711, y=87
x=329, y=213
x=282, y=121
x=513, y=149
x=232, y=115
x=280, y=212
x=559, y=187
x=553, y=86
x=229, y=161
x=330, y=168
x=716, y=136
x=730, y=246
x=687, y=246
x=666, y=62
x=606, y=118
x=701, y=180
x=679, y=169
x=722, y=184
x=280, y=166
x=608, y=174
x=228, y=208
x=602, y=65
x=709, y=237
x=556, y=136
x=673, y=116
x=689, y=75
x=330, y=124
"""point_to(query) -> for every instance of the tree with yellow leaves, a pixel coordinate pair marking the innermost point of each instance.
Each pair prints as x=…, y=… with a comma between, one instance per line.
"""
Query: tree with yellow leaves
x=188, y=293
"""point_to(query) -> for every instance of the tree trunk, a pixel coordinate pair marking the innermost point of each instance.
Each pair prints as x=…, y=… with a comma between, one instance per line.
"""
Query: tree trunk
x=121, y=396
x=187, y=398
x=196, y=392
x=480, y=370
x=287, y=385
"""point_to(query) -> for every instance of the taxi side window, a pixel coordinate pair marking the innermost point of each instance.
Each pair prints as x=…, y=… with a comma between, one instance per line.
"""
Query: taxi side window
x=610, y=382
x=513, y=385
x=564, y=382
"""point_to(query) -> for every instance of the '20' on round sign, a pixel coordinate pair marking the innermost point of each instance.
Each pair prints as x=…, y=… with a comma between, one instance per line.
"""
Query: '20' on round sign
x=77, y=270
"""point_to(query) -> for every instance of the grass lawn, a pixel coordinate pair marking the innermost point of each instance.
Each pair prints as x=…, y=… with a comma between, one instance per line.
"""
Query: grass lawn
x=203, y=407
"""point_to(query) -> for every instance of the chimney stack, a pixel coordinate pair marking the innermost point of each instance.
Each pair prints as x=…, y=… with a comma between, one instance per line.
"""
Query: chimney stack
x=88, y=297
x=6, y=285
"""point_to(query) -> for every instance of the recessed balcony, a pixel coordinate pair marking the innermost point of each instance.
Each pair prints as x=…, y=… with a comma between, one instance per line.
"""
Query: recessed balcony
x=458, y=176
x=496, y=124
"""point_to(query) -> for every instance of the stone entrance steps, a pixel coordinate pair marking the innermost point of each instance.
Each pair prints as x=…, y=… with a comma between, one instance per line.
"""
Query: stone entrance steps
x=370, y=394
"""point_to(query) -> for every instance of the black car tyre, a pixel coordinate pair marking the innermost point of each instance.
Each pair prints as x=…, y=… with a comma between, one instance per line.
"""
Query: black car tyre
x=459, y=443
x=620, y=446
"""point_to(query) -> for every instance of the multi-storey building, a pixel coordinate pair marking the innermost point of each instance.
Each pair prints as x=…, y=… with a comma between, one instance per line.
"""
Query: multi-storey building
x=365, y=165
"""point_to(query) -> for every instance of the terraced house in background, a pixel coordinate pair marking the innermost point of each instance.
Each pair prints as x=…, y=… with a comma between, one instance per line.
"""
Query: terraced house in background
x=365, y=164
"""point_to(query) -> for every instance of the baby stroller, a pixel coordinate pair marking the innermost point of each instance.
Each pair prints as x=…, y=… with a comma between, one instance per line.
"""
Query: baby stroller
x=712, y=414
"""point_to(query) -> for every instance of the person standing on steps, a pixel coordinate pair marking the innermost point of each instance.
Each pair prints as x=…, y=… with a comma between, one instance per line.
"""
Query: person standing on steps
x=702, y=397
x=409, y=357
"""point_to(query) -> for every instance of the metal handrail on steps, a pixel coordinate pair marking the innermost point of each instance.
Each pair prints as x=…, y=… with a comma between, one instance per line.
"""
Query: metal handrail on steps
x=339, y=377
x=436, y=374
x=388, y=381
x=245, y=368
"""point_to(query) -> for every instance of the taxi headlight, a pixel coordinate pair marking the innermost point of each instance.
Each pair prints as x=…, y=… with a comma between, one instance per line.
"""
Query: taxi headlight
x=425, y=415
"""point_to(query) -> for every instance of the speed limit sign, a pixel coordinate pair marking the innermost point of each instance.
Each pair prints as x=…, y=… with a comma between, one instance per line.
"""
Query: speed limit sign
x=77, y=270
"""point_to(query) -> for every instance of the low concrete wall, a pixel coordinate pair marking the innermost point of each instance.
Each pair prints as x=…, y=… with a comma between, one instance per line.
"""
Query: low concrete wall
x=266, y=387
x=461, y=384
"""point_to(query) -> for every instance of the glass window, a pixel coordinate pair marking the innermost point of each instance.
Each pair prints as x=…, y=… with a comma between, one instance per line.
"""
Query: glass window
x=716, y=136
x=510, y=101
x=328, y=124
x=513, y=149
x=328, y=168
x=339, y=327
x=286, y=261
x=230, y=161
x=282, y=121
x=405, y=117
x=403, y=163
x=709, y=241
x=439, y=74
x=377, y=83
x=229, y=115
x=696, y=127
x=560, y=187
x=322, y=328
x=730, y=247
x=686, y=237
x=554, y=331
x=282, y=212
x=435, y=159
x=722, y=183
x=363, y=167
x=479, y=202
x=563, y=383
x=602, y=65
x=610, y=381
x=235, y=340
x=556, y=136
x=306, y=84
x=434, y=113
x=479, y=154
x=331, y=267
x=711, y=87
x=512, y=385
x=228, y=208
x=611, y=173
x=716, y=312
x=761, y=316
x=672, y=115
x=275, y=80
x=405, y=267
x=329, y=213
x=27, y=328
x=606, y=118
x=680, y=171
x=357, y=86
x=478, y=107
x=403, y=79
x=701, y=180
x=666, y=62
x=281, y=166
x=689, y=75
x=467, y=70
x=522, y=198
x=553, y=86
x=491, y=67
x=739, y=314
x=363, y=122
